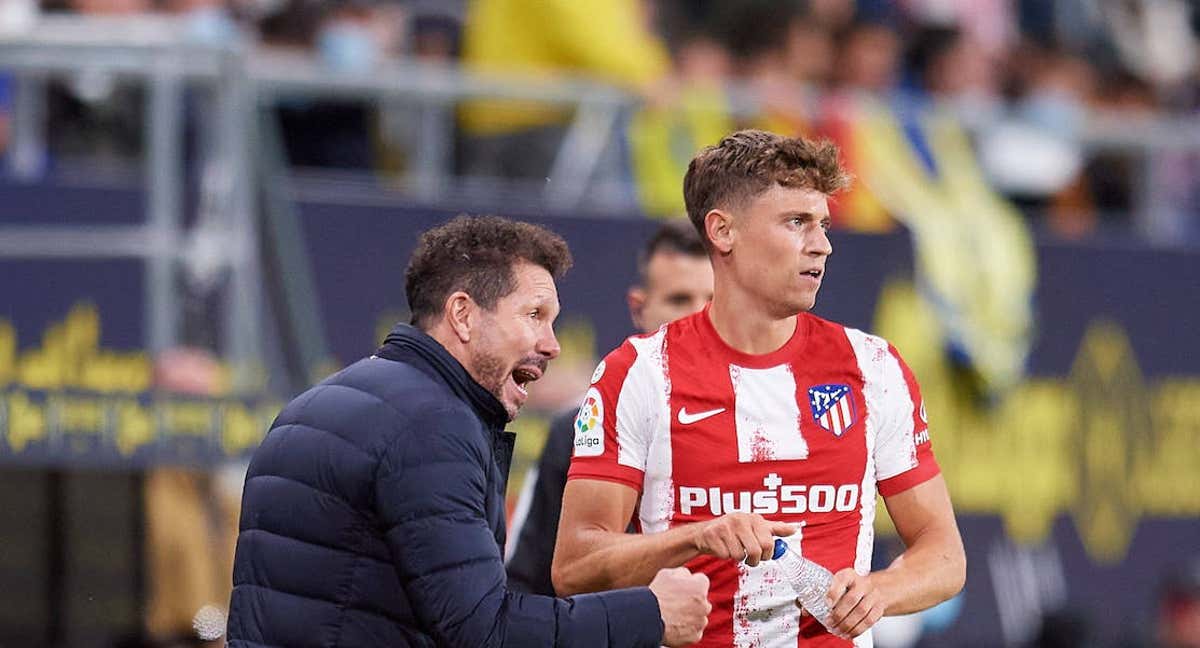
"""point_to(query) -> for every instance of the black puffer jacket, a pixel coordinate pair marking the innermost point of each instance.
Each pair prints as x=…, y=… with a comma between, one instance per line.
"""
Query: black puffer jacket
x=373, y=515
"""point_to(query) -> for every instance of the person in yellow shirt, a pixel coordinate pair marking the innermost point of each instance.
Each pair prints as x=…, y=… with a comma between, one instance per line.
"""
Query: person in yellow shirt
x=610, y=41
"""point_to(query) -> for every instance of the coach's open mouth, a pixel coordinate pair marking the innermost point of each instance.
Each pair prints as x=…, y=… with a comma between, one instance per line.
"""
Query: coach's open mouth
x=522, y=376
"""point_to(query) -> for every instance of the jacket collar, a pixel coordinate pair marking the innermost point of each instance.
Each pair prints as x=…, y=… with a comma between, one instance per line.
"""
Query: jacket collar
x=412, y=345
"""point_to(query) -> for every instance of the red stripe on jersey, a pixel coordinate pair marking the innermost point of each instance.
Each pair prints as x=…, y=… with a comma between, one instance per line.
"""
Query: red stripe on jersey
x=608, y=384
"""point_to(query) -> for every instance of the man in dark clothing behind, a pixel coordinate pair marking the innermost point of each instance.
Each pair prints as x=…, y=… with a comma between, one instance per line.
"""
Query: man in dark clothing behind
x=675, y=279
x=373, y=513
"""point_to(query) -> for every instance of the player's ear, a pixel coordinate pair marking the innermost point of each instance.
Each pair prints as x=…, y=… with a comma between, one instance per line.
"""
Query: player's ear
x=718, y=227
x=636, y=299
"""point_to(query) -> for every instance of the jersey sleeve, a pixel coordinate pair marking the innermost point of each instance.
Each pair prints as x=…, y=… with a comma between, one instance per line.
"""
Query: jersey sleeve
x=903, y=452
x=615, y=421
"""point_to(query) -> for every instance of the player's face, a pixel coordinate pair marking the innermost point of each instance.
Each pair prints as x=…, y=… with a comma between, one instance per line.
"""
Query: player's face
x=677, y=285
x=780, y=246
x=514, y=342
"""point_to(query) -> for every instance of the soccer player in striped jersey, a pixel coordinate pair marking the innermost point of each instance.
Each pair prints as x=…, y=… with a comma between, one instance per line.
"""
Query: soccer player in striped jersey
x=753, y=419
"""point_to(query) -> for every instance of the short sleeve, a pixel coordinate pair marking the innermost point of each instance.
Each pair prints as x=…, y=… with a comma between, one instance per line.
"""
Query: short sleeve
x=903, y=452
x=616, y=421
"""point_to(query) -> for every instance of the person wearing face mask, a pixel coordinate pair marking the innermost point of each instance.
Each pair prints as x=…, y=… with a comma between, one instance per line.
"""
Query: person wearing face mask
x=373, y=511
x=674, y=280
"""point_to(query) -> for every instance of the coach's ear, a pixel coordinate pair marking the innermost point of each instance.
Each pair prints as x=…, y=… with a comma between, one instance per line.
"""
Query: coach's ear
x=460, y=313
x=718, y=226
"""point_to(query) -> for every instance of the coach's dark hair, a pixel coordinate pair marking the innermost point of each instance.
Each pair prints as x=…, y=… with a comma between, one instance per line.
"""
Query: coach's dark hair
x=747, y=163
x=476, y=254
x=675, y=237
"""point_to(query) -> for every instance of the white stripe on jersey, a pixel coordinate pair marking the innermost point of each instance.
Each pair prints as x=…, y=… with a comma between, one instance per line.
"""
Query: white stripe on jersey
x=866, y=521
x=638, y=416
x=764, y=609
x=767, y=415
x=889, y=402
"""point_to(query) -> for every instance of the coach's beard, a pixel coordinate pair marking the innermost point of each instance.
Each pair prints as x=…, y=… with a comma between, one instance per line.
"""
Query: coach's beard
x=506, y=382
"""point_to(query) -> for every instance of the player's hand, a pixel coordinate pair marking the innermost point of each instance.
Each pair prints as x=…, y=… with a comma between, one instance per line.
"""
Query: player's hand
x=683, y=604
x=854, y=603
x=748, y=537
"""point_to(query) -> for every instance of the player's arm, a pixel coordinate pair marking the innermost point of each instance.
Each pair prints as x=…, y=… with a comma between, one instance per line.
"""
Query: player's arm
x=933, y=566
x=594, y=553
x=931, y=569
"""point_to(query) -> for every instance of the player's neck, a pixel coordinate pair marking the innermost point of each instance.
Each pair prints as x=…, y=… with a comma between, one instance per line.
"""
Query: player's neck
x=746, y=326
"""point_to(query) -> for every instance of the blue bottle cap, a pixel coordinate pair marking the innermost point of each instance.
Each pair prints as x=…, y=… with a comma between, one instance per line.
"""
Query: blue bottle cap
x=780, y=549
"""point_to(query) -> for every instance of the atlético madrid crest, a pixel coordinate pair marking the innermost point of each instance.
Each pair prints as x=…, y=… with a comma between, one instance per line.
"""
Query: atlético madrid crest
x=832, y=407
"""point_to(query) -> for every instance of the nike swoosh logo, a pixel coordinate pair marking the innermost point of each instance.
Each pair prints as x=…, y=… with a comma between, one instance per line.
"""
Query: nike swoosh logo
x=688, y=419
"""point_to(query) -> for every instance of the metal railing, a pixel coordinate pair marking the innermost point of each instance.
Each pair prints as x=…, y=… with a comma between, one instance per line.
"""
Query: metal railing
x=238, y=79
x=241, y=80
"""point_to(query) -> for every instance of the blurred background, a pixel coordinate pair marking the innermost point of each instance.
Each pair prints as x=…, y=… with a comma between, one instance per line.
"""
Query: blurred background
x=207, y=205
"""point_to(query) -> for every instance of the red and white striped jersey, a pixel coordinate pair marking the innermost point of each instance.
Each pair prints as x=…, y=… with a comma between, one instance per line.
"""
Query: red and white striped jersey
x=807, y=434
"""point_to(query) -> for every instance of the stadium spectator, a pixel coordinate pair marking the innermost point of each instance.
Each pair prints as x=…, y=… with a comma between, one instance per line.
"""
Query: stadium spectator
x=610, y=40
x=674, y=280
x=953, y=68
x=714, y=429
x=373, y=512
x=868, y=59
x=809, y=53
x=191, y=521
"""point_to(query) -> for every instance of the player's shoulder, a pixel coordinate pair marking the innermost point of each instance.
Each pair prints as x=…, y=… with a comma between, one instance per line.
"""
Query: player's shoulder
x=821, y=328
x=618, y=362
x=868, y=347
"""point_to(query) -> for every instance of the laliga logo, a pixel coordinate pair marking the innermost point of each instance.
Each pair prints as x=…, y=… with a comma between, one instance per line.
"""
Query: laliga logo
x=778, y=498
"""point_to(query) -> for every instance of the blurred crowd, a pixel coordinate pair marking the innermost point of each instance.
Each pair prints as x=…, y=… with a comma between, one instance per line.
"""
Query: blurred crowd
x=1022, y=76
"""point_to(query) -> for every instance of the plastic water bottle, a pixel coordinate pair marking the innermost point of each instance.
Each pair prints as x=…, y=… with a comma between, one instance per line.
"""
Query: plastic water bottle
x=809, y=580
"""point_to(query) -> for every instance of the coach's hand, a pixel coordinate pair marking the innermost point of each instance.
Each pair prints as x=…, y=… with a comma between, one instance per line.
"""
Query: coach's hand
x=855, y=605
x=748, y=537
x=683, y=603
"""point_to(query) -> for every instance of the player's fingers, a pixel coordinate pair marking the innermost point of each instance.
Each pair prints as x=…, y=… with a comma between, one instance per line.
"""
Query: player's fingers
x=766, y=542
x=751, y=546
x=850, y=610
x=872, y=612
x=782, y=529
x=838, y=585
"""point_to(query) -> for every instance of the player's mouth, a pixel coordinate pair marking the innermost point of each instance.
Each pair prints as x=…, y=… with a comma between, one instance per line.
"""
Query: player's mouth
x=815, y=273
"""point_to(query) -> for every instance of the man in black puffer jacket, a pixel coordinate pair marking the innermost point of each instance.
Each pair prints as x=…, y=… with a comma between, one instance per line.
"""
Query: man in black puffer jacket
x=373, y=512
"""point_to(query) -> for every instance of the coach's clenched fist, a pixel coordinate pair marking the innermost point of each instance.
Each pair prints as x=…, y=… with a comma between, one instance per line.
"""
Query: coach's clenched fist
x=683, y=603
x=747, y=537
